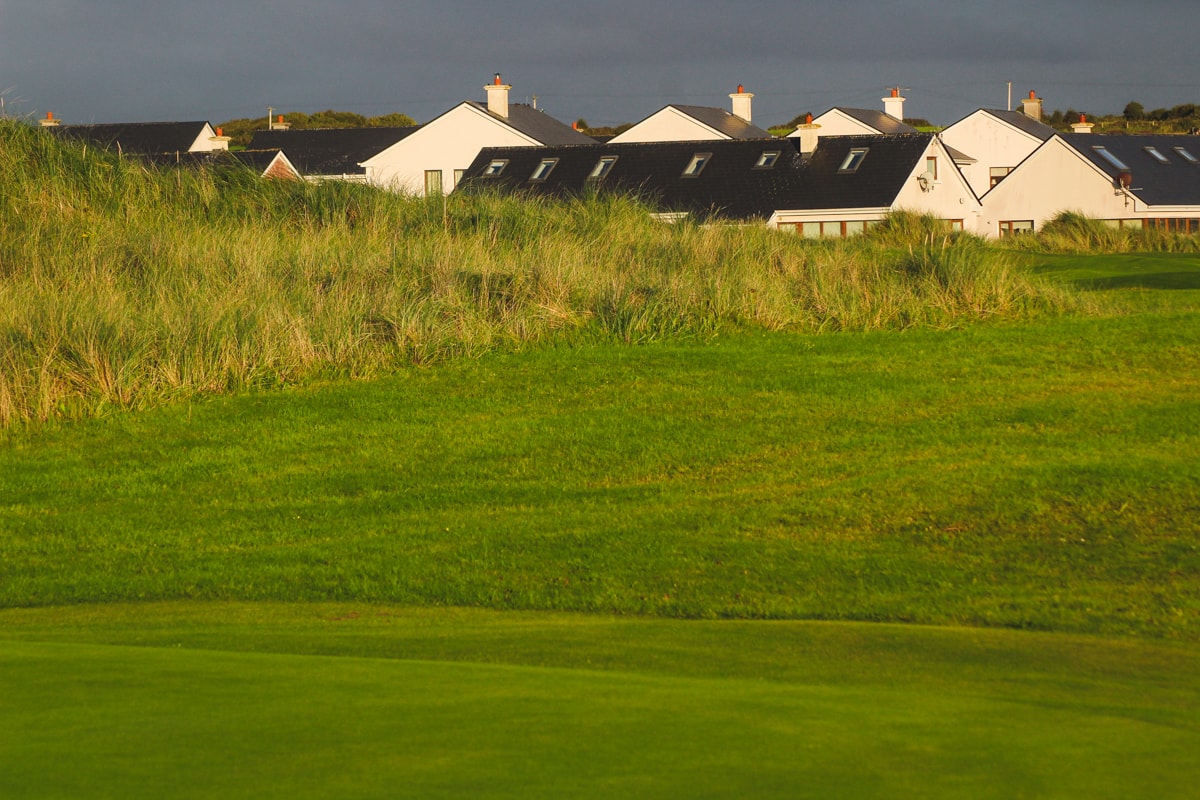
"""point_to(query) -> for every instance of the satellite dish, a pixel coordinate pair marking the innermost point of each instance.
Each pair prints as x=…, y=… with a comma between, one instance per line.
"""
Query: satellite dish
x=926, y=181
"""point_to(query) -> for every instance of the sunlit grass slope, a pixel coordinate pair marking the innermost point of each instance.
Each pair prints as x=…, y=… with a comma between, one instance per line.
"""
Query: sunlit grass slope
x=123, y=286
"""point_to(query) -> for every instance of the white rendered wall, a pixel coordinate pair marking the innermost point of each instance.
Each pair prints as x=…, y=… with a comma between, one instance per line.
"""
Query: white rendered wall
x=450, y=142
x=836, y=123
x=1055, y=179
x=668, y=125
x=992, y=143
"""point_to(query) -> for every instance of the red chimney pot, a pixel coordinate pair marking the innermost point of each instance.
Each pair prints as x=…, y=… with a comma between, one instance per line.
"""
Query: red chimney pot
x=1032, y=95
x=497, y=80
x=895, y=92
x=741, y=89
x=49, y=115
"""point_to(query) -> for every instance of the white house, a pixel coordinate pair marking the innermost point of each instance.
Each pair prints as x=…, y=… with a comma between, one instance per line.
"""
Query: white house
x=851, y=182
x=1140, y=181
x=841, y=121
x=680, y=123
x=144, y=138
x=997, y=141
x=845, y=185
x=431, y=160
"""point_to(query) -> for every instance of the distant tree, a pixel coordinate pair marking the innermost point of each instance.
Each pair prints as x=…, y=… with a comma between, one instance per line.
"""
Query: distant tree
x=918, y=122
x=581, y=124
x=1184, y=111
x=1055, y=120
x=393, y=120
x=1134, y=111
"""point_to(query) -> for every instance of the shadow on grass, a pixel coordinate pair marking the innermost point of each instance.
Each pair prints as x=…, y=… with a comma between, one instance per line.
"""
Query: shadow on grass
x=1157, y=280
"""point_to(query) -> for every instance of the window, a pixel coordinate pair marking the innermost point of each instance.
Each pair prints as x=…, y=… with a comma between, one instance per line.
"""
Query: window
x=1109, y=157
x=1157, y=156
x=1169, y=225
x=997, y=174
x=1016, y=227
x=817, y=230
x=767, y=159
x=854, y=159
x=543, y=169
x=602, y=168
x=458, y=176
x=697, y=164
x=495, y=168
x=433, y=182
x=1187, y=156
x=931, y=166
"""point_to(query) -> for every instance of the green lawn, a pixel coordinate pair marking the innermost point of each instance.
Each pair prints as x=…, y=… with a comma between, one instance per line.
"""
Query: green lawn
x=267, y=700
x=167, y=577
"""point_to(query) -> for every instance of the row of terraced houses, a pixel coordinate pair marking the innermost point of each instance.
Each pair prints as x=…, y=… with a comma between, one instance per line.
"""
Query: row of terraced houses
x=994, y=172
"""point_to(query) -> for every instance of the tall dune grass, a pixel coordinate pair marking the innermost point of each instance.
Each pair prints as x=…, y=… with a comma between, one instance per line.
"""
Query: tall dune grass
x=123, y=285
x=1075, y=233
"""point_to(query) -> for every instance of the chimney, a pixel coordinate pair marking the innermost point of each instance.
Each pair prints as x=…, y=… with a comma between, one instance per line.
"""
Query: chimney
x=1083, y=126
x=893, y=105
x=741, y=102
x=220, y=141
x=49, y=121
x=1032, y=106
x=497, y=97
x=280, y=125
x=807, y=134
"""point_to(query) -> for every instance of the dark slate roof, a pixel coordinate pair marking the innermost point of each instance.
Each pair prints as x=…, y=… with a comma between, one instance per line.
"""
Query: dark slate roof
x=329, y=151
x=1022, y=122
x=538, y=125
x=729, y=187
x=141, y=138
x=719, y=119
x=884, y=123
x=1175, y=183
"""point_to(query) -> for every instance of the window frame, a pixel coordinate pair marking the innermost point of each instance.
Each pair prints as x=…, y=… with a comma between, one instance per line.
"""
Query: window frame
x=602, y=169
x=764, y=163
x=696, y=165
x=1156, y=155
x=435, y=187
x=853, y=160
x=1109, y=157
x=495, y=168
x=543, y=170
x=1186, y=155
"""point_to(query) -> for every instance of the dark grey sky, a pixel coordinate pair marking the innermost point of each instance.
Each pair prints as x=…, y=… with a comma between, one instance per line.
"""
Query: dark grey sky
x=608, y=62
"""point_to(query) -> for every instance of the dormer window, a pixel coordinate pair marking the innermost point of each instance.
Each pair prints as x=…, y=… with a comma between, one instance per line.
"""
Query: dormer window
x=697, y=164
x=853, y=159
x=543, y=169
x=767, y=159
x=494, y=168
x=602, y=168
x=1109, y=157
x=1157, y=156
x=1187, y=156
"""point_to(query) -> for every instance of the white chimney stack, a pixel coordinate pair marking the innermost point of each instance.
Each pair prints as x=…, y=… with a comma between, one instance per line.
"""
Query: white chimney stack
x=741, y=102
x=1083, y=126
x=49, y=121
x=807, y=134
x=497, y=97
x=1032, y=106
x=893, y=104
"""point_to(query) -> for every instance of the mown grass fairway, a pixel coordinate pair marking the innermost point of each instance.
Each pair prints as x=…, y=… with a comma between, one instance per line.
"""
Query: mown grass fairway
x=192, y=700
x=269, y=595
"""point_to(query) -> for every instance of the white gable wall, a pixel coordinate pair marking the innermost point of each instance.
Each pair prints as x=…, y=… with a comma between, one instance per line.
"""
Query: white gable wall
x=992, y=143
x=1052, y=180
x=669, y=125
x=949, y=196
x=449, y=143
x=204, y=142
x=835, y=122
